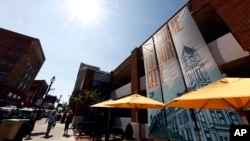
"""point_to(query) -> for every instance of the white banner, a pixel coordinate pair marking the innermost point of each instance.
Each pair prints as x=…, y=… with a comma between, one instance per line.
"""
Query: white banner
x=172, y=82
x=153, y=87
x=196, y=61
x=199, y=69
x=169, y=68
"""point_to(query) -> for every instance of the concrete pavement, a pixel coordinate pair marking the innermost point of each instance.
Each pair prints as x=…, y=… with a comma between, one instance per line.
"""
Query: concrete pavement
x=56, y=133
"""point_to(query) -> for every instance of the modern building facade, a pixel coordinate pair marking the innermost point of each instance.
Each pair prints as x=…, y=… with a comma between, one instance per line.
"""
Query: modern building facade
x=89, y=78
x=200, y=43
x=169, y=49
x=21, y=58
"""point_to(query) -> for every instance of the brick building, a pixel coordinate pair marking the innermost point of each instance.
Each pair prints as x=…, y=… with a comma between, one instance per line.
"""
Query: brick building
x=225, y=31
x=224, y=27
x=36, y=92
x=21, y=58
x=218, y=17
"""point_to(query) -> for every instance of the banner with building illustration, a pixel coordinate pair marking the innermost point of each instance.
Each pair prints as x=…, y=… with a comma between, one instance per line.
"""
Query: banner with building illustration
x=195, y=58
x=153, y=85
x=198, y=69
x=172, y=83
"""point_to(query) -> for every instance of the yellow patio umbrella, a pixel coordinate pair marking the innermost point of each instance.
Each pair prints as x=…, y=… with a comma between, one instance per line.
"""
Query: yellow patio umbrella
x=226, y=93
x=103, y=104
x=136, y=101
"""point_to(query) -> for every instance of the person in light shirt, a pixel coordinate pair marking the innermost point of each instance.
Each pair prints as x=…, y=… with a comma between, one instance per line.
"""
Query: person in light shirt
x=51, y=122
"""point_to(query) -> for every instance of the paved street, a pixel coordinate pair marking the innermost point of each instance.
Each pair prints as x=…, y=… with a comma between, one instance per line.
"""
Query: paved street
x=56, y=133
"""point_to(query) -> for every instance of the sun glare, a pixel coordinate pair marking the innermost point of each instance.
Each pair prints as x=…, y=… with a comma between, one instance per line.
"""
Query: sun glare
x=85, y=12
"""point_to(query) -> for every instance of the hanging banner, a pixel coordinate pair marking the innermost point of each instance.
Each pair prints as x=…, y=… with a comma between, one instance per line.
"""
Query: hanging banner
x=199, y=69
x=196, y=61
x=153, y=86
x=171, y=76
x=172, y=82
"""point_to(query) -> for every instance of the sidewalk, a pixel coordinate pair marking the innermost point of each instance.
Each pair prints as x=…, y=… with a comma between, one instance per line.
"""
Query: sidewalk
x=56, y=133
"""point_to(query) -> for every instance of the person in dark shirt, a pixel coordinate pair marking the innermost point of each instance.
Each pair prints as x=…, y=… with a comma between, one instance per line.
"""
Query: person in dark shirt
x=68, y=120
x=32, y=122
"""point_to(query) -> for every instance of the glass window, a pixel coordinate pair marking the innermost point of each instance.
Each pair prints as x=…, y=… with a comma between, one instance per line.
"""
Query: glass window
x=19, y=47
x=2, y=76
x=2, y=41
x=14, y=96
x=2, y=63
x=9, y=55
x=16, y=57
x=17, y=83
x=10, y=94
x=9, y=67
x=20, y=85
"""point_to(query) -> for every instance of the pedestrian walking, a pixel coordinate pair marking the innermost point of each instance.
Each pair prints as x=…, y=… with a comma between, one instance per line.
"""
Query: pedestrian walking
x=68, y=120
x=51, y=122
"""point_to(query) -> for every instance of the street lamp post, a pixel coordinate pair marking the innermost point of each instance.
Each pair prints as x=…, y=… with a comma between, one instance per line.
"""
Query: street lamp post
x=58, y=102
x=51, y=82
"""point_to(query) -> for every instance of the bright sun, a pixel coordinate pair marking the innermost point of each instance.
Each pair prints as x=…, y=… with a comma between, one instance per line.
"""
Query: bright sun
x=85, y=12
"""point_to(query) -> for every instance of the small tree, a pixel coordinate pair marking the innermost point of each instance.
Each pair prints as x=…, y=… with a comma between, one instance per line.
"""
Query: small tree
x=85, y=98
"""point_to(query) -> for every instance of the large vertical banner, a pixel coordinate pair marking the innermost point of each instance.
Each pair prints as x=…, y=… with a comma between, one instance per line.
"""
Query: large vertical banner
x=198, y=69
x=153, y=85
x=172, y=83
x=196, y=61
x=169, y=68
x=176, y=60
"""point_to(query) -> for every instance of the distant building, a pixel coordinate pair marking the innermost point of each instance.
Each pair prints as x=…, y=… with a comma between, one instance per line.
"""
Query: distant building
x=21, y=58
x=36, y=93
x=49, y=101
x=89, y=78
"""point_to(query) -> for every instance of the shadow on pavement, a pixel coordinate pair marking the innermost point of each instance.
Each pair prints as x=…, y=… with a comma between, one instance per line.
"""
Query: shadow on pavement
x=66, y=136
x=28, y=138
x=47, y=137
x=37, y=133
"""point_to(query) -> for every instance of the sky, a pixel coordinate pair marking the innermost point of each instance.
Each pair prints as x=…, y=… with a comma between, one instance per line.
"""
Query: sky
x=100, y=33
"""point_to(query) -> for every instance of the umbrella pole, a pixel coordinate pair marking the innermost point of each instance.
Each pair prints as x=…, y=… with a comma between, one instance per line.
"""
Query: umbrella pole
x=138, y=135
x=243, y=115
x=109, y=118
x=136, y=118
x=245, y=121
x=108, y=130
